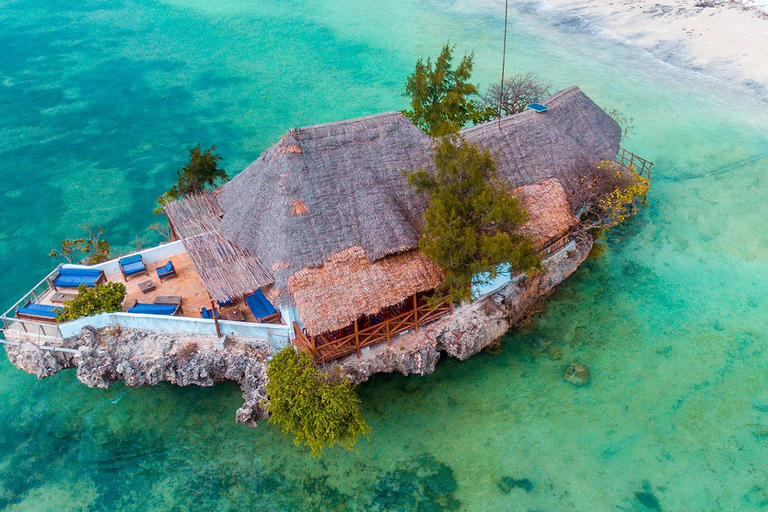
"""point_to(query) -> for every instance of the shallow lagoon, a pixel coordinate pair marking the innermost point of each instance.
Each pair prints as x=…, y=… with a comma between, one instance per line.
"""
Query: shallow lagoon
x=98, y=101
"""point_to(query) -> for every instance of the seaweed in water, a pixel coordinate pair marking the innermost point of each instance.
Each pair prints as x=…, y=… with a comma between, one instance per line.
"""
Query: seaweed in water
x=421, y=484
x=507, y=483
x=648, y=500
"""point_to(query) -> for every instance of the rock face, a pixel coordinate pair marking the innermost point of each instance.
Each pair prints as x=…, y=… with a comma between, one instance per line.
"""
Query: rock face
x=149, y=357
x=471, y=327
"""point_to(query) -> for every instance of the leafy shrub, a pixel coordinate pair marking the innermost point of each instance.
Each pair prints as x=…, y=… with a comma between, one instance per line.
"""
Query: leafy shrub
x=104, y=298
x=318, y=410
x=608, y=195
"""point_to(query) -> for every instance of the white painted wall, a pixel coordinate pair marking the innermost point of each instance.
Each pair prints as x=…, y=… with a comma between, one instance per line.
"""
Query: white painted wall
x=159, y=254
x=278, y=335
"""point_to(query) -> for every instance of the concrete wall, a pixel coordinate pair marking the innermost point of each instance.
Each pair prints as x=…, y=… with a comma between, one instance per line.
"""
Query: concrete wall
x=278, y=335
x=159, y=254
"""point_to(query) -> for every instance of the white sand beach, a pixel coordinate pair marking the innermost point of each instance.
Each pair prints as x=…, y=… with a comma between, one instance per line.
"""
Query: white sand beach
x=722, y=38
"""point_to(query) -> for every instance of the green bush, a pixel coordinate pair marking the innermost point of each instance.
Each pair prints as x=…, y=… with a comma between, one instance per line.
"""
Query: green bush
x=318, y=410
x=104, y=298
x=471, y=224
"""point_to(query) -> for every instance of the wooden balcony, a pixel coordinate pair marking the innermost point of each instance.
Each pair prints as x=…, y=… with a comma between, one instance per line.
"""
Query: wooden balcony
x=369, y=331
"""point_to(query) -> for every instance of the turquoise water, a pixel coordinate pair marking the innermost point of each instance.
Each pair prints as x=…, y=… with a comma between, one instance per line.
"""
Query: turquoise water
x=98, y=102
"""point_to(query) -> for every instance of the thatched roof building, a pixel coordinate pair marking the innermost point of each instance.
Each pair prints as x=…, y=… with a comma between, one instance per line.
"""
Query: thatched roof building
x=329, y=214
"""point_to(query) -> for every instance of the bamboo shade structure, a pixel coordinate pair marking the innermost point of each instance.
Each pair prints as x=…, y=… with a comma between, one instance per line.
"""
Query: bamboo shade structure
x=549, y=212
x=227, y=271
x=348, y=286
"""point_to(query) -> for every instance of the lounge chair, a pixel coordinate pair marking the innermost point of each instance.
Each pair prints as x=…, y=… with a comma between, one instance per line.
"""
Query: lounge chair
x=206, y=313
x=131, y=265
x=225, y=303
x=154, y=309
x=166, y=271
x=261, y=308
x=38, y=313
x=74, y=277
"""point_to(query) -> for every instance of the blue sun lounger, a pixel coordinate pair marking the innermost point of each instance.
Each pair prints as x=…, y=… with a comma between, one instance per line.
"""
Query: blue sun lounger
x=74, y=277
x=261, y=308
x=538, y=107
x=38, y=313
x=154, y=309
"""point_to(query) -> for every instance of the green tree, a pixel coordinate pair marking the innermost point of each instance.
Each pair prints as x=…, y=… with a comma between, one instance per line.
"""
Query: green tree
x=440, y=95
x=90, y=246
x=472, y=219
x=104, y=298
x=319, y=410
x=199, y=174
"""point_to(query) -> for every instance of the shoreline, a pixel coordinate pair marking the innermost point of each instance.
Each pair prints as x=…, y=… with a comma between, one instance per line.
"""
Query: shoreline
x=726, y=40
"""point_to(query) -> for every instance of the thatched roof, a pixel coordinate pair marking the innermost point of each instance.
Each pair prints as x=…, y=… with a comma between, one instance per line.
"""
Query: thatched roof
x=323, y=189
x=348, y=285
x=549, y=213
x=227, y=271
x=530, y=147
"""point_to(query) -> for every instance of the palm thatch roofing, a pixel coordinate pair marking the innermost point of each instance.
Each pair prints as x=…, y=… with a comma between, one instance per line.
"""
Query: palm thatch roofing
x=323, y=189
x=530, y=147
x=358, y=287
x=549, y=212
x=227, y=271
x=328, y=215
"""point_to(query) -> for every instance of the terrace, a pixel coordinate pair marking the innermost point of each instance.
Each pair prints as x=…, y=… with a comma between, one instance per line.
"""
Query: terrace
x=187, y=287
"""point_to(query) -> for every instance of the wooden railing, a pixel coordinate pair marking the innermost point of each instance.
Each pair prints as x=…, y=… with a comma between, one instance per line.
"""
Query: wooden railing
x=324, y=348
x=634, y=162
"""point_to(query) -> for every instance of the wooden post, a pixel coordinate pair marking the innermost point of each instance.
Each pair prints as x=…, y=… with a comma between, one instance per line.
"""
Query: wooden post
x=314, y=346
x=215, y=318
x=450, y=303
x=416, y=312
x=357, y=339
x=387, y=326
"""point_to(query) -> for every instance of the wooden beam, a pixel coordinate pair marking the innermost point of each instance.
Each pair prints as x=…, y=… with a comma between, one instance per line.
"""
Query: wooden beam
x=388, y=337
x=215, y=318
x=357, y=339
x=415, y=312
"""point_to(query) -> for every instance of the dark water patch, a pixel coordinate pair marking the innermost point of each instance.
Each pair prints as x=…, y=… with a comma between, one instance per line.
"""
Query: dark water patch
x=423, y=484
x=507, y=484
x=648, y=500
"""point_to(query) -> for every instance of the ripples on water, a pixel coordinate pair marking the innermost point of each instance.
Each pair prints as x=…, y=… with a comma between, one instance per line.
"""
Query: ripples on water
x=97, y=106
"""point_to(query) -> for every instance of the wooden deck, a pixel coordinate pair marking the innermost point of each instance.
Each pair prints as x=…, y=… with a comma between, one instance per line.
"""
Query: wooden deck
x=371, y=330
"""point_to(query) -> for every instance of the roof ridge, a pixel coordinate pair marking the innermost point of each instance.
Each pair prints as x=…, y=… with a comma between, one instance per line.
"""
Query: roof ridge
x=343, y=122
x=550, y=102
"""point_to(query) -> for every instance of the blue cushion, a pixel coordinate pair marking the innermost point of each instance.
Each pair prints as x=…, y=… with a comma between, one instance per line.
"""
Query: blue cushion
x=127, y=260
x=154, y=309
x=166, y=270
x=206, y=313
x=39, y=310
x=133, y=268
x=259, y=305
x=74, y=277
